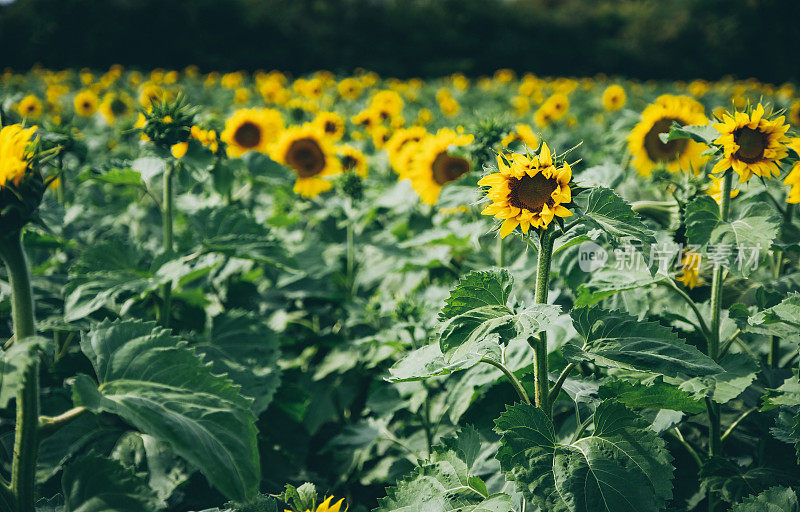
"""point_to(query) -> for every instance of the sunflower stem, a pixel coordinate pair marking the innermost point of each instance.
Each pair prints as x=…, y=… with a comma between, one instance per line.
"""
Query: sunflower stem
x=501, y=256
x=351, y=258
x=510, y=375
x=715, y=437
x=26, y=442
x=542, y=382
x=166, y=288
x=774, y=347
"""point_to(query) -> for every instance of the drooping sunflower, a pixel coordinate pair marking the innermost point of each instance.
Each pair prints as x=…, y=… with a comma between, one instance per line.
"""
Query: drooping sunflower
x=30, y=106
x=85, y=103
x=352, y=160
x=529, y=191
x=432, y=165
x=751, y=144
x=649, y=151
x=252, y=129
x=14, y=141
x=690, y=270
x=307, y=151
x=331, y=124
x=613, y=98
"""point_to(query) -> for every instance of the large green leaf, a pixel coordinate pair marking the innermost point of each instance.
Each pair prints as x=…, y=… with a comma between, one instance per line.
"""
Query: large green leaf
x=739, y=372
x=606, y=210
x=733, y=242
x=15, y=360
x=622, y=466
x=787, y=394
x=242, y=345
x=445, y=483
x=429, y=361
x=615, y=339
x=607, y=281
x=157, y=384
x=97, y=484
x=655, y=395
x=775, y=499
x=477, y=289
x=781, y=320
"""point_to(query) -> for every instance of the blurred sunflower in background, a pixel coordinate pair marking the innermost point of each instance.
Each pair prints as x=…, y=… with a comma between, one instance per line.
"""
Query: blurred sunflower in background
x=353, y=160
x=690, y=270
x=14, y=141
x=331, y=124
x=522, y=134
x=30, y=106
x=433, y=166
x=307, y=151
x=252, y=129
x=85, y=103
x=116, y=106
x=398, y=144
x=793, y=178
x=715, y=190
x=613, y=97
x=650, y=152
x=751, y=143
x=529, y=191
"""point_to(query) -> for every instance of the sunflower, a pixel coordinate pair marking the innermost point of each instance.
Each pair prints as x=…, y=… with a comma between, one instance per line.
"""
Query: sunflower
x=85, y=103
x=432, y=166
x=522, y=134
x=326, y=506
x=794, y=113
x=352, y=160
x=400, y=141
x=386, y=104
x=793, y=178
x=331, y=124
x=529, y=190
x=30, y=106
x=115, y=106
x=307, y=151
x=252, y=129
x=690, y=270
x=14, y=141
x=349, y=88
x=558, y=105
x=751, y=144
x=543, y=116
x=150, y=93
x=646, y=146
x=613, y=98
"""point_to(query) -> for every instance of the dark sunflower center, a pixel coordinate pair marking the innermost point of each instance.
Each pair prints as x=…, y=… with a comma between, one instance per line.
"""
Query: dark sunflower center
x=306, y=157
x=248, y=135
x=532, y=193
x=86, y=105
x=348, y=162
x=118, y=107
x=31, y=108
x=751, y=144
x=447, y=168
x=659, y=151
x=330, y=127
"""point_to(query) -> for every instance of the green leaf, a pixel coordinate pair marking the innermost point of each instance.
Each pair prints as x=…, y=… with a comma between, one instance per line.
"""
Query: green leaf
x=617, y=340
x=787, y=394
x=477, y=289
x=739, y=372
x=705, y=134
x=160, y=386
x=620, y=467
x=606, y=210
x=609, y=280
x=781, y=320
x=97, y=484
x=733, y=242
x=243, y=346
x=445, y=483
x=775, y=499
x=15, y=360
x=428, y=361
x=656, y=395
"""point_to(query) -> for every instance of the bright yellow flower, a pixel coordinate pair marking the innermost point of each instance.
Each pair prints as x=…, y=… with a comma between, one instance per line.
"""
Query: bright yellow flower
x=646, y=146
x=522, y=133
x=751, y=144
x=613, y=98
x=331, y=124
x=715, y=190
x=30, y=106
x=307, y=151
x=85, y=103
x=690, y=270
x=326, y=506
x=353, y=160
x=793, y=178
x=252, y=129
x=179, y=150
x=529, y=191
x=14, y=141
x=432, y=166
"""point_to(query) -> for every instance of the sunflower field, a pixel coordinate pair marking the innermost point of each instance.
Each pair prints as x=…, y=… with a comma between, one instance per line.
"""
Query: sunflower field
x=252, y=292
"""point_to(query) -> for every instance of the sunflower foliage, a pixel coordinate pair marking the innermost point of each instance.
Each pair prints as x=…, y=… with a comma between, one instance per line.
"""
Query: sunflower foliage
x=328, y=293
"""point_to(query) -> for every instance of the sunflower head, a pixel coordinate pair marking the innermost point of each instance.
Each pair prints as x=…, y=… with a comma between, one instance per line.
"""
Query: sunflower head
x=435, y=163
x=30, y=106
x=690, y=270
x=307, y=151
x=613, y=98
x=254, y=129
x=85, y=103
x=22, y=184
x=331, y=124
x=752, y=143
x=650, y=152
x=529, y=190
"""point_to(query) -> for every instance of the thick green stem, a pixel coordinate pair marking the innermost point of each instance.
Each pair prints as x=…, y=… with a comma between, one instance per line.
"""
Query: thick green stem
x=26, y=442
x=501, y=256
x=351, y=257
x=510, y=375
x=715, y=437
x=774, y=346
x=542, y=382
x=166, y=288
